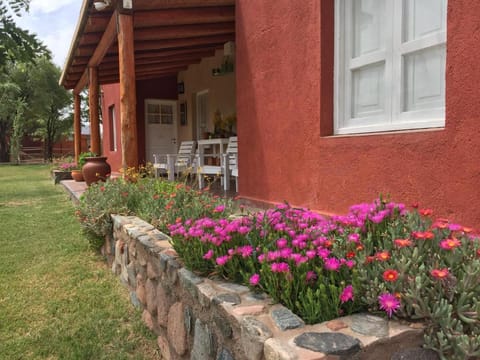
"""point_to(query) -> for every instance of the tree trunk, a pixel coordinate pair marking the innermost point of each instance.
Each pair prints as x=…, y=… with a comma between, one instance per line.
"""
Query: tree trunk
x=4, y=145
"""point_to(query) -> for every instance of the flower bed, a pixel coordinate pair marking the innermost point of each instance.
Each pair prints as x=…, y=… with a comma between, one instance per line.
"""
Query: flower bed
x=379, y=257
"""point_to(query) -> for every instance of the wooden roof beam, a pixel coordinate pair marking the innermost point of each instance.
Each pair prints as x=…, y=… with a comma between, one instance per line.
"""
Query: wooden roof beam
x=104, y=44
x=178, y=43
x=183, y=31
x=169, y=4
x=184, y=16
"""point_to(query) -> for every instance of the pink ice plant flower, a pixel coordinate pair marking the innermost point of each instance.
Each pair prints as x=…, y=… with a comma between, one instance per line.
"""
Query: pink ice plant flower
x=332, y=264
x=347, y=294
x=208, y=255
x=389, y=303
x=281, y=243
x=311, y=276
x=280, y=267
x=219, y=209
x=222, y=260
x=254, y=279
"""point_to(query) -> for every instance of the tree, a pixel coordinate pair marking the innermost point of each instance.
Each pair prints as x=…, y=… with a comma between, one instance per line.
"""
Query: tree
x=17, y=44
x=51, y=105
x=32, y=102
x=9, y=100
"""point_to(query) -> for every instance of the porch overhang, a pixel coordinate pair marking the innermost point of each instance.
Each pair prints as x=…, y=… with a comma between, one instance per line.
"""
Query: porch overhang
x=168, y=35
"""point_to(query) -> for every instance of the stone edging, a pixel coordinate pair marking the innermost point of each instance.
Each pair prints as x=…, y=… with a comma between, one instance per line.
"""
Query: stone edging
x=203, y=319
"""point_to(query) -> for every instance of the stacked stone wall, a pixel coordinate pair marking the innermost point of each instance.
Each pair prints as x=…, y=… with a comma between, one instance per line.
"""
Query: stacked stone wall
x=203, y=319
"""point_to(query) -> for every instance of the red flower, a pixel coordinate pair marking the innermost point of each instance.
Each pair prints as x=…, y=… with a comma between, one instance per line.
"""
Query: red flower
x=440, y=273
x=425, y=235
x=415, y=205
x=440, y=225
x=390, y=275
x=350, y=255
x=403, y=242
x=382, y=256
x=425, y=212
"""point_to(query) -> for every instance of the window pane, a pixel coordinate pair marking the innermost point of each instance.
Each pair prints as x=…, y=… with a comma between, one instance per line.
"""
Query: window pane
x=167, y=119
x=368, y=91
x=153, y=118
x=153, y=108
x=423, y=18
x=369, y=26
x=167, y=109
x=424, y=79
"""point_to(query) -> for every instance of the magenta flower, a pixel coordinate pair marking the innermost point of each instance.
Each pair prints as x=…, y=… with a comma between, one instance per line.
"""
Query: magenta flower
x=280, y=267
x=222, y=260
x=354, y=238
x=243, y=230
x=254, y=279
x=389, y=303
x=332, y=264
x=281, y=243
x=323, y=253
x=347, y=294
x=311, y=276
x=208, y=255
x=219, y=209
x=245, y=251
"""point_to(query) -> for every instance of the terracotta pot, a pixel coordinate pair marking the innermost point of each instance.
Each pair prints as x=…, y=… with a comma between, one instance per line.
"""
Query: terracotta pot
x=77, y=175
x=96, y=169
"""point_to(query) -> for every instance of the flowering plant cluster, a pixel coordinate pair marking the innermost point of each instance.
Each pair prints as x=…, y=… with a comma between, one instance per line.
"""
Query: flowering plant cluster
x=156, y=201
x=379, y=257
x=68, y=166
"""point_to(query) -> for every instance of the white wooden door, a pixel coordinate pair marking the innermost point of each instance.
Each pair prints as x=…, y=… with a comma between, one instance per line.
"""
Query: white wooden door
x=202, y=113
x=160, y=127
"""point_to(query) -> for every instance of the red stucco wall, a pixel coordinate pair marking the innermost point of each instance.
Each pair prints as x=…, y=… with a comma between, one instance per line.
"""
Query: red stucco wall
x=111, y=96
x=162, y=88
x=284, y=70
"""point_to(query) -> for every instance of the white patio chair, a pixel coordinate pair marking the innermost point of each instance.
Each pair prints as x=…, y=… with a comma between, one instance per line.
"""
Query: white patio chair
x=175, y=163
x=230, y=163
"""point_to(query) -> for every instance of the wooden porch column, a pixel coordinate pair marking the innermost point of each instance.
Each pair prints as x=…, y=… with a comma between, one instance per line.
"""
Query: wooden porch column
x=128, y=92
x=93, y=91
x=77, y=126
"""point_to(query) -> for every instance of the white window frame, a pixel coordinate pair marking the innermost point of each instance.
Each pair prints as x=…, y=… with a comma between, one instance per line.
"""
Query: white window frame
x=113, y=128
x=393, y=117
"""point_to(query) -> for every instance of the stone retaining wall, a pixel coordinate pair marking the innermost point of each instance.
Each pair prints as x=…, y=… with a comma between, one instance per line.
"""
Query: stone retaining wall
x=203, y=319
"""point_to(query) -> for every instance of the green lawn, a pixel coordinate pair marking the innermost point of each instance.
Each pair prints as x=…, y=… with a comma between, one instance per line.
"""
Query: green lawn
x=58, y=299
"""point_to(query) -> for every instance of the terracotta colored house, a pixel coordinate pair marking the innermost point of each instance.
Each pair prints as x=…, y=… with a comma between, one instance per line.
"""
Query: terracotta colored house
x=336, y=101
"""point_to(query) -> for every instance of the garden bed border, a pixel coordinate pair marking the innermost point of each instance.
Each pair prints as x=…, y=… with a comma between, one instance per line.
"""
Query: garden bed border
x=206, y=318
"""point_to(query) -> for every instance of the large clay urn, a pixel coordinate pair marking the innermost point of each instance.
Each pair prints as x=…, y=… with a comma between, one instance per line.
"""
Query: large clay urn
x=96, y=169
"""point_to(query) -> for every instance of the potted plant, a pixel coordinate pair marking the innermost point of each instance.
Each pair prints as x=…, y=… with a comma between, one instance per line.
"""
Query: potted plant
x=64, y=171
x=94, y=168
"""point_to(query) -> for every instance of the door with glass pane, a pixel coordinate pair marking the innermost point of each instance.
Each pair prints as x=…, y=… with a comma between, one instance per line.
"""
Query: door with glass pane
x=202, y=113
x=160, y=127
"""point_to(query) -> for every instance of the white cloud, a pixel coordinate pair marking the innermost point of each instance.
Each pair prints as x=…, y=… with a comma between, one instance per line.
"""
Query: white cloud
x=49, y=6
x=54, y=23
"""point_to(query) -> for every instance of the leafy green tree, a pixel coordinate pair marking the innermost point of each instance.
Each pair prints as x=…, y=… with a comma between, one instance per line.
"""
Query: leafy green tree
x=9, y=100
x=51, y=105
x=17, y=44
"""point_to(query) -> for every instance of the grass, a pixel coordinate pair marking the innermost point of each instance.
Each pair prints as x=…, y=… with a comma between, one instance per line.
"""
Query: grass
x=58, y=299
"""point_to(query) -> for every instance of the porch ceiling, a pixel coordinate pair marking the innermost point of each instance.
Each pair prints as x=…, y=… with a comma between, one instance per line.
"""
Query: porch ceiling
x=169, y=35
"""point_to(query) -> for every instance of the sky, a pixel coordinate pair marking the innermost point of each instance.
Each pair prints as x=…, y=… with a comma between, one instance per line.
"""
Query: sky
x=54, y=22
